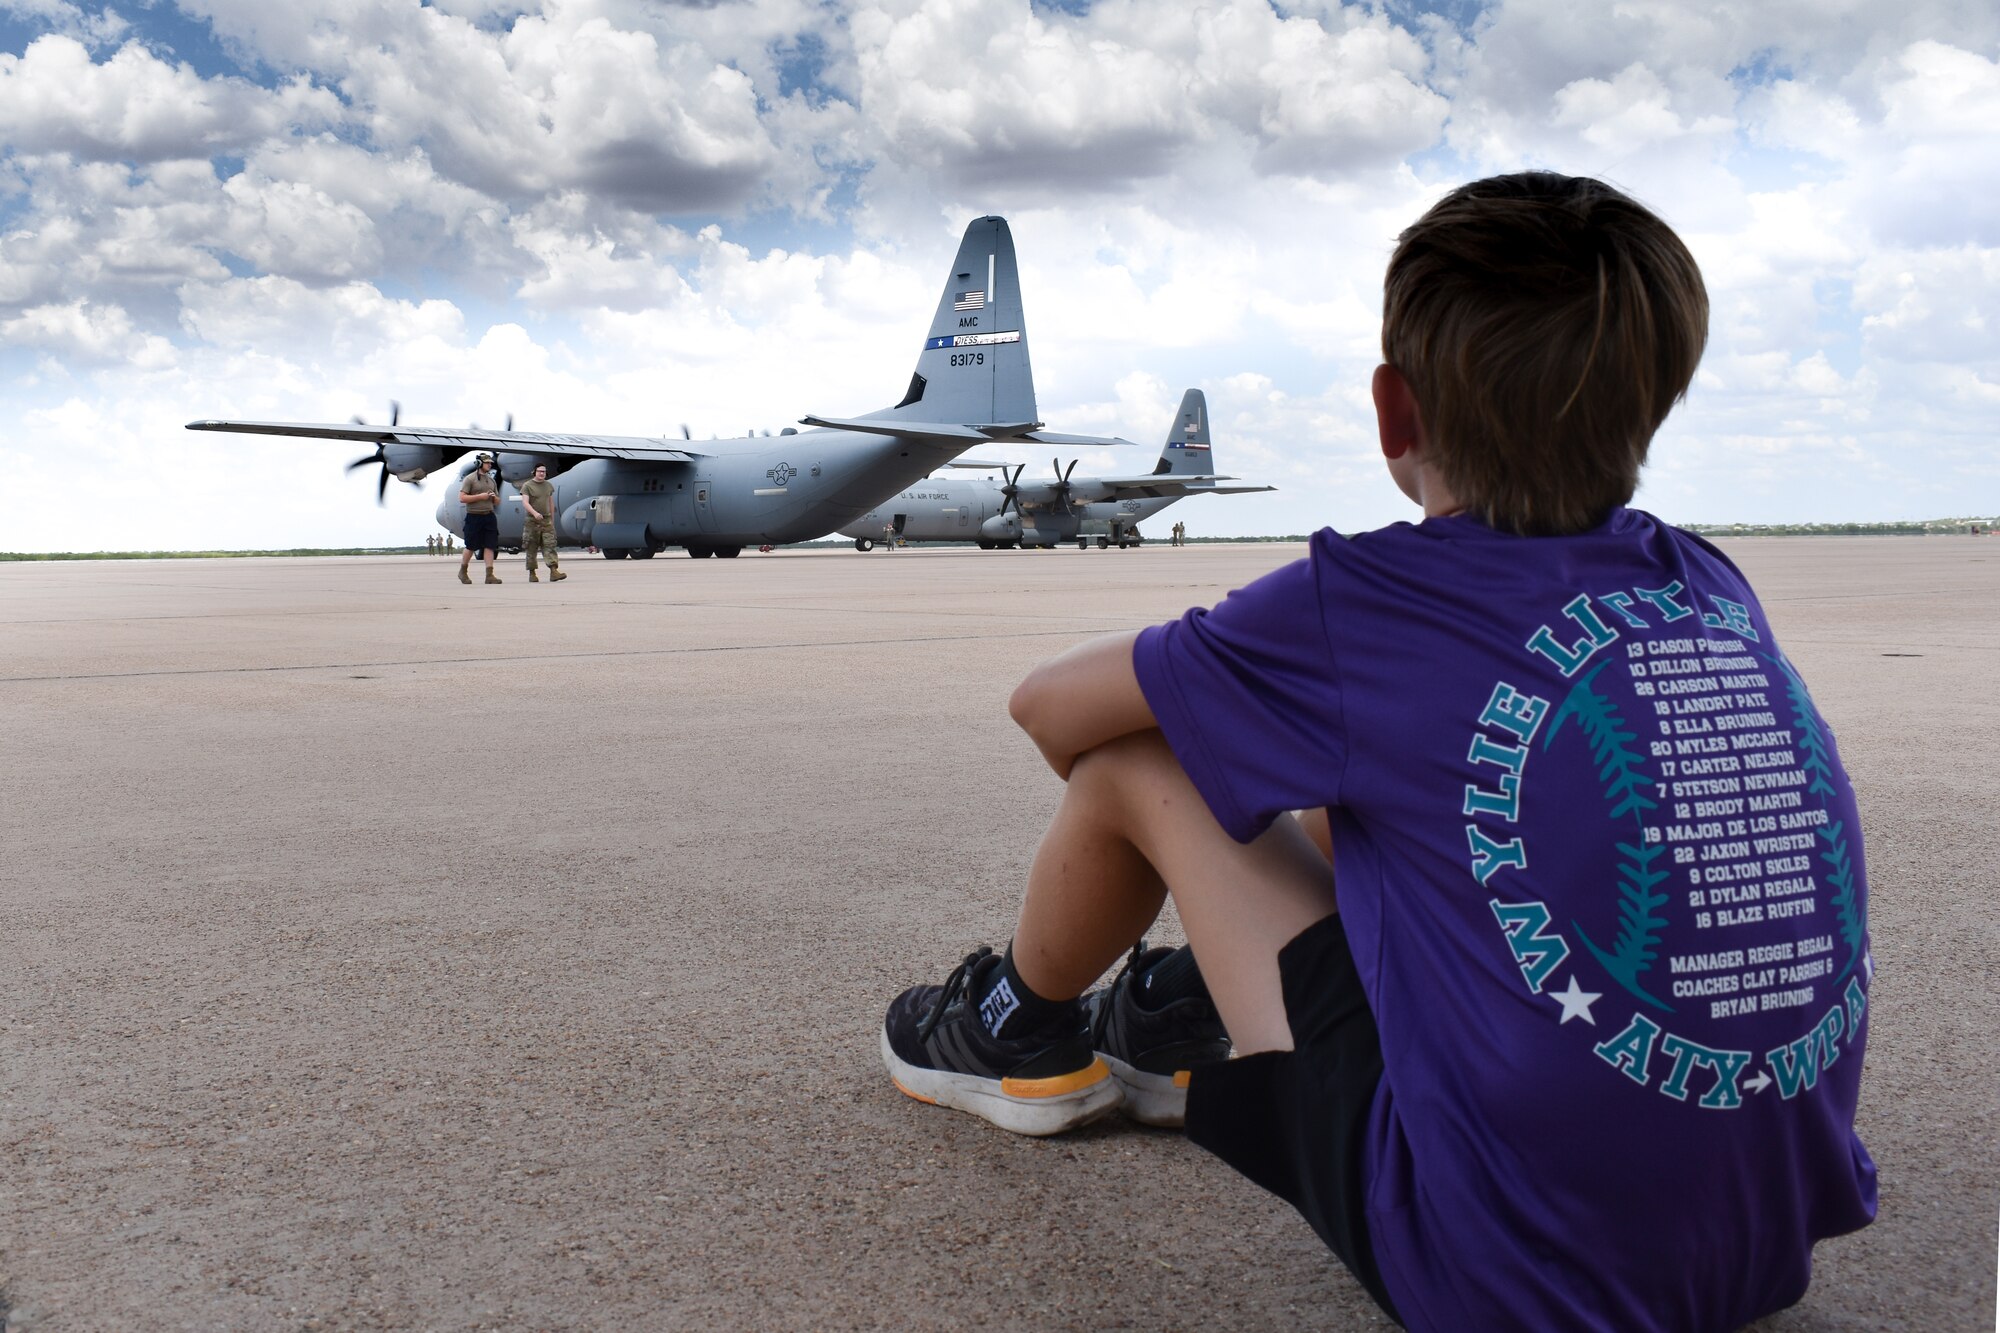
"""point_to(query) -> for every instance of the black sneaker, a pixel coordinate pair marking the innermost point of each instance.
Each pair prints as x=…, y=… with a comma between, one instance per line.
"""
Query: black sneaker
x=1044, y=1082
x=1152, y=1051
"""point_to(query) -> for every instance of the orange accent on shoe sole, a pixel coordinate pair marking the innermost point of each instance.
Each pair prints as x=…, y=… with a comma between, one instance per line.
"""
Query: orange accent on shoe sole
x=927, y=1101
x=1095, y=1072
x=1181, y=1077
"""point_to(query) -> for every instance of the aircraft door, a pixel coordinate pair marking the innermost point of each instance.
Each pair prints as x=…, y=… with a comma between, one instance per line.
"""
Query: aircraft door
x=704, y=503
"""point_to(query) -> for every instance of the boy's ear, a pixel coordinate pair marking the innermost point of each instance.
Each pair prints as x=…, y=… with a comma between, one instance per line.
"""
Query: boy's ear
x=1397, y=419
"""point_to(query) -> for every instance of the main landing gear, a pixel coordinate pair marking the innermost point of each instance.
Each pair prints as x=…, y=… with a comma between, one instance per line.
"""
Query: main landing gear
x=699, y=552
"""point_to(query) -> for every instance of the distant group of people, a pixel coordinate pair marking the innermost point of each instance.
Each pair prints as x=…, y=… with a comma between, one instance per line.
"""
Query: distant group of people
x=1180, y=535
x=480, y=494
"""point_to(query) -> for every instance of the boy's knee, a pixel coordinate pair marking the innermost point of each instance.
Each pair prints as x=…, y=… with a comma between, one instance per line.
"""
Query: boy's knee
x=1127, y=770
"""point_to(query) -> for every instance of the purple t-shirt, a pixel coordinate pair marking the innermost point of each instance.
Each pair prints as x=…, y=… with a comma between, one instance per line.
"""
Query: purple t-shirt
x=1601, y=871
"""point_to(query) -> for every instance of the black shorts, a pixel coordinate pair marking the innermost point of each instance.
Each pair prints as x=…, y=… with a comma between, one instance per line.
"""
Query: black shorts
x=482, y=532
x=1295, y=1121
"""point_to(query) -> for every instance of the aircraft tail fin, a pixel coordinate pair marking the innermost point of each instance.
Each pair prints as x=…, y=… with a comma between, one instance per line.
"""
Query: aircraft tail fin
x=974, y=365
x=1187, y=449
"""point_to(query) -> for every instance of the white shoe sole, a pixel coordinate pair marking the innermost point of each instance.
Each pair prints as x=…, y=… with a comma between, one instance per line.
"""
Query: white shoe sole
x=1036, y=1107
x=1150, y=1099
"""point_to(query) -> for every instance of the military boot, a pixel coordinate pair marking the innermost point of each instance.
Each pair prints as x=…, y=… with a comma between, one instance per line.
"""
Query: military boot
x=532, y=578
x=556, y=575
x=491, y=577
x=463, y=577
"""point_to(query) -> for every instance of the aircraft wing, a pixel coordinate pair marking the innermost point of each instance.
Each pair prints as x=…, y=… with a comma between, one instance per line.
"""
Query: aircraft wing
x=1079, y=441
x=1160, y=486
x=502, y=441
x=951, y=433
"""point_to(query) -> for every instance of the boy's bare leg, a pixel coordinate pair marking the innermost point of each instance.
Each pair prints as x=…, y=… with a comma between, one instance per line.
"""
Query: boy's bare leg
x=1132, y=828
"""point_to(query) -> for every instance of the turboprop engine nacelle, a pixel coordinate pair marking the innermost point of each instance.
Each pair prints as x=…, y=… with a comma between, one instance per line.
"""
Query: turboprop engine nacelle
x=413, y=462
x=517, y=468
x=1001, y=527
x=579, y=521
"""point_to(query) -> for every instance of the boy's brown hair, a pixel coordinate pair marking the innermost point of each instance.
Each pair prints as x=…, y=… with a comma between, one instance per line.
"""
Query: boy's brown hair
x=1546, y=325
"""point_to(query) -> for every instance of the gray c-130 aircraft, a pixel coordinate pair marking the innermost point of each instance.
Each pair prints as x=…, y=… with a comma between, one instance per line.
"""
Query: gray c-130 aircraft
x=1008, y=512
x=634, y=495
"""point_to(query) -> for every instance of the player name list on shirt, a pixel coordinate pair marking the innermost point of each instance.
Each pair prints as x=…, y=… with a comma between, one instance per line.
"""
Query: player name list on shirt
x=1743, y=838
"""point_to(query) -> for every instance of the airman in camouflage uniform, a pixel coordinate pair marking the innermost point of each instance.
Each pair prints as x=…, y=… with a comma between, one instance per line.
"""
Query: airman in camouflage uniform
x=538, y=528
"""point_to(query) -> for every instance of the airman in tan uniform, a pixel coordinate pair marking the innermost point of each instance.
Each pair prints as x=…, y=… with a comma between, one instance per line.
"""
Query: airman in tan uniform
x=480, y=494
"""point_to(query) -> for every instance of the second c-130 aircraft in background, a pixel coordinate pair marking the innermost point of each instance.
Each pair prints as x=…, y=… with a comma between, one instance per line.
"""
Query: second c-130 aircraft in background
x=1008, y=512
x=632, y=495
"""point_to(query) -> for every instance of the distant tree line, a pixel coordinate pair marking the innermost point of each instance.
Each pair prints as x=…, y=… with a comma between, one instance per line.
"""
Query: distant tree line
x=208, y=555
x=1933, y=527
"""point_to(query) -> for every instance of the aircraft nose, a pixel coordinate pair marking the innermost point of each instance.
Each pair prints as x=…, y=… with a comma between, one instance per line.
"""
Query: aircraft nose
x=448, y=515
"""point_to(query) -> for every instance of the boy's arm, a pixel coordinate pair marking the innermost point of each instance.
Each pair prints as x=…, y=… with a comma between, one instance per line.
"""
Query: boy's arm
x=1078, y=700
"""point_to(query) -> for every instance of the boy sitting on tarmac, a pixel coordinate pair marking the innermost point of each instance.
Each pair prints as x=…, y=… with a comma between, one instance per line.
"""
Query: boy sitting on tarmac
x=1549, y=1011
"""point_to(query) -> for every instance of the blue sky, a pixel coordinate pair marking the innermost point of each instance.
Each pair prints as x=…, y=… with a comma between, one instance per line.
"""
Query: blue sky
x=621, y=215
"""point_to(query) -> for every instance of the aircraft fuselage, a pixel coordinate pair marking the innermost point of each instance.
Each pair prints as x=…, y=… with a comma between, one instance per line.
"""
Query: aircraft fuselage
x=749, y=492
x=969, y=511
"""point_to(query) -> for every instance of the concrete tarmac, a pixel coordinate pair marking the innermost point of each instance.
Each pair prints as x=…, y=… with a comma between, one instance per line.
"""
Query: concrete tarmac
x=378, y=952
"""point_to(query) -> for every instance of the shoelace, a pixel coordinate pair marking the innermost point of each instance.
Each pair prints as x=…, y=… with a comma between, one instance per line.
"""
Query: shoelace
x=1100, y=1012
x=953, y=984
x=1131, y=963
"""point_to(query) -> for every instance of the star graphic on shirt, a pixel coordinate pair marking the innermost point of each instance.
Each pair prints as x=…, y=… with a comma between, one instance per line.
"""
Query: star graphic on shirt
x=1576, y=1001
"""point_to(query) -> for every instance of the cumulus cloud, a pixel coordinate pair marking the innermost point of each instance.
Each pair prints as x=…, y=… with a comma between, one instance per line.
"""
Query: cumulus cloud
x=595, y=257
x=1318, y=99
x=1931, y=305
x=346, y=320
x=1631, y=111
x=416, y=220
x=135, y=107
x=1931, y=174
x=70, y=20
x=85, y=334
x=291, y=227
x=534, y=104
x=998, y=92
x=102, y=231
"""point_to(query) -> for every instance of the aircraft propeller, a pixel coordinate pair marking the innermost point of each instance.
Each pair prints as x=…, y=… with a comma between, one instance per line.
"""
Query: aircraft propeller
x=1010, y=489
x=1062, y=480
x=381, y=482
